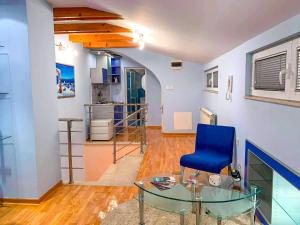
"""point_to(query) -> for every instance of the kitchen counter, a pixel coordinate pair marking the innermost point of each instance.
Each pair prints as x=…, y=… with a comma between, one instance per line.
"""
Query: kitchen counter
x=113, y=111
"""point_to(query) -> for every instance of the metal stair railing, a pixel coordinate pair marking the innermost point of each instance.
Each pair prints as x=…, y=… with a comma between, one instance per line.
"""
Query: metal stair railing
x=135, y=132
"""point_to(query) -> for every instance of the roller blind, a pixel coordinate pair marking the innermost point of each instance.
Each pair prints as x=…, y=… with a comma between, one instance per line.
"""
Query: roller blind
x=298, y=71
x=215, y=79
x=266, y=73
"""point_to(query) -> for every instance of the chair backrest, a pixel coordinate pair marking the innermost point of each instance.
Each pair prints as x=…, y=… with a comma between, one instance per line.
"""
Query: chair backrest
x=215, y=138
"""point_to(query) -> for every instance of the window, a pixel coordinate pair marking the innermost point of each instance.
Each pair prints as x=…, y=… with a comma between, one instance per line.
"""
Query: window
x=212, y=79
x=276, y=72
x=298, y=71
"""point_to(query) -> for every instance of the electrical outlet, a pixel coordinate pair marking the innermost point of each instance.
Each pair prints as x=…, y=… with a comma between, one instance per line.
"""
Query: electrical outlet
x=170, y=87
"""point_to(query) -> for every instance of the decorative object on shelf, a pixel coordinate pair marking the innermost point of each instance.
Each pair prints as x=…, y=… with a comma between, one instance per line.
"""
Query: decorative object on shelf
x=116, y=80
x=114, y=69
x=65, y=80
x=215, y=180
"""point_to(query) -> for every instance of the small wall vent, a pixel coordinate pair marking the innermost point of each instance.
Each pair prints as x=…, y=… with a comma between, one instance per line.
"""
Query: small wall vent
x=176, y=65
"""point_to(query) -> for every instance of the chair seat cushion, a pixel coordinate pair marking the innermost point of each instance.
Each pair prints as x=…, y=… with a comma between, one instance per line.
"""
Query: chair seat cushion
x=209, y=161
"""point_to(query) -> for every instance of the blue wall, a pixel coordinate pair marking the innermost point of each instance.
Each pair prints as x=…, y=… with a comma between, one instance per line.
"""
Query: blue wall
x=32, y=163
x=187, y=85
x=274, y=128
x=42, y=71
x=13, y=24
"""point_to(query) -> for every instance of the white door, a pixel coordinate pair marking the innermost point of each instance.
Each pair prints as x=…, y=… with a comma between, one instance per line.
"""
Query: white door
x=162, y=114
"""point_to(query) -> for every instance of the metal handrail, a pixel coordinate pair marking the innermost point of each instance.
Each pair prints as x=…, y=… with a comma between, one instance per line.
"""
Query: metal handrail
x=104, y=114
x=135, y=120
x=69, y=134
x=140, y=130
x=124, y=104
x=131, y=115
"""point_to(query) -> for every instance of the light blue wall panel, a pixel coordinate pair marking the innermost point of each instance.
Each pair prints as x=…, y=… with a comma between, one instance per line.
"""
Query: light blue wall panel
x=274, y=128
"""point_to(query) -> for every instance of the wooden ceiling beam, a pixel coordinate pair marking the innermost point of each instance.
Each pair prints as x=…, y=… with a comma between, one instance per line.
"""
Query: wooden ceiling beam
x=107, y=44
x=83, y=13
x=78, y=38
x=88, y=28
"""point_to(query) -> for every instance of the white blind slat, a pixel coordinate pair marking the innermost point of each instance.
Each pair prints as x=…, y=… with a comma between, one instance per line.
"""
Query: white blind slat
x=208, y=79
x=266, y=73
x=298, y=71
x=215, y=79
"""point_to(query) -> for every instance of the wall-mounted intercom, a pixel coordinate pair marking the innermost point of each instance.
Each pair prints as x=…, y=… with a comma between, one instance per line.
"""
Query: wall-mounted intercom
x=229, y=88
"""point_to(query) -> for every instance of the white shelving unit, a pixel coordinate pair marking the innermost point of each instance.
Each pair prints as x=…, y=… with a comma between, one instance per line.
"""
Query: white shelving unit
x=8, y=161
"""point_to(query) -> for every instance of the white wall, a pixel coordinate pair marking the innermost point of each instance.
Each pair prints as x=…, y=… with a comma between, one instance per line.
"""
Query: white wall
x=81, y=58
x=274, y=128
x=153, y=98
x=186, y=82
x=42, y=62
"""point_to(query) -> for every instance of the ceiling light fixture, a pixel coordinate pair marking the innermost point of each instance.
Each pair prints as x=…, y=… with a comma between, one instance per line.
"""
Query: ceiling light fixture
x=138, y=37
x=66, y=49
x=135, y=36
x=60, y=46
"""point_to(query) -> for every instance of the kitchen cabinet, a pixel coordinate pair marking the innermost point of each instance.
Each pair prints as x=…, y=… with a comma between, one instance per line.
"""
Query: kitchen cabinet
x=99, y=76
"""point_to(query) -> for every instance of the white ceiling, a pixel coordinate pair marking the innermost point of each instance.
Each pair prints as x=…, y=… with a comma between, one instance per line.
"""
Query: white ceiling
x=195, y=30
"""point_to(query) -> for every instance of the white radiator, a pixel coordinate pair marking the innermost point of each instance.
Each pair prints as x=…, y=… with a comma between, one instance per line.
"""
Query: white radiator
x=207, y=117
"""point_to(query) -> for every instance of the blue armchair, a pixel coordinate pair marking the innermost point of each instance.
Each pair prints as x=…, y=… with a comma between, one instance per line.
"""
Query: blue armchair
x=213, y=150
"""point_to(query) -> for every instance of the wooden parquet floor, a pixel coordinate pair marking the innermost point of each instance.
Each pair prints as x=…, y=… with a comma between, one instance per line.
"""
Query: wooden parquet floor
x=82, y=205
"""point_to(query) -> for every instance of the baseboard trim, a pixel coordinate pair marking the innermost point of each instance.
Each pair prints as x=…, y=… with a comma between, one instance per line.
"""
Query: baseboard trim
x=30, y=201
x=51, y=190
x=178, y=134
x=154, y=127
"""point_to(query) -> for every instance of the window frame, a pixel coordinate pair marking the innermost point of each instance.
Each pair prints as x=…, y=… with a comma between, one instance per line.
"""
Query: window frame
x=212, y=71
x=271, y=52
x=295, y=95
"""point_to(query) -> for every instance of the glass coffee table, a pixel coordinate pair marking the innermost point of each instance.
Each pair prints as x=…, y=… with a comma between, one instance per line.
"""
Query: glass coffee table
x=194, y=192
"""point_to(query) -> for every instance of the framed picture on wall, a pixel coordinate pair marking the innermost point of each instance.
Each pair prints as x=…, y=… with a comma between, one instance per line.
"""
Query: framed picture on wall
x=65, y=80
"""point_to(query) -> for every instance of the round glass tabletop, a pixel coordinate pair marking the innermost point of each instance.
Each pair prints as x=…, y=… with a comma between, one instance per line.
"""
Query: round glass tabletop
x=195, y=188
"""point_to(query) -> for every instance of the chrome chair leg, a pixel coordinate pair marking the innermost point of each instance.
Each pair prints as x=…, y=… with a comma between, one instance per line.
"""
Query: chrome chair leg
x=229, y=170
x=198, y=213
x=254, y=201
x=197, y=173
x=141, y=204
x=181, y=219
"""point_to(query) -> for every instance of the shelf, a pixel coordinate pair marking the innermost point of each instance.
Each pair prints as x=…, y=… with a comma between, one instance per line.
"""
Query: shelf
x=4, y=93
x=2, y=138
